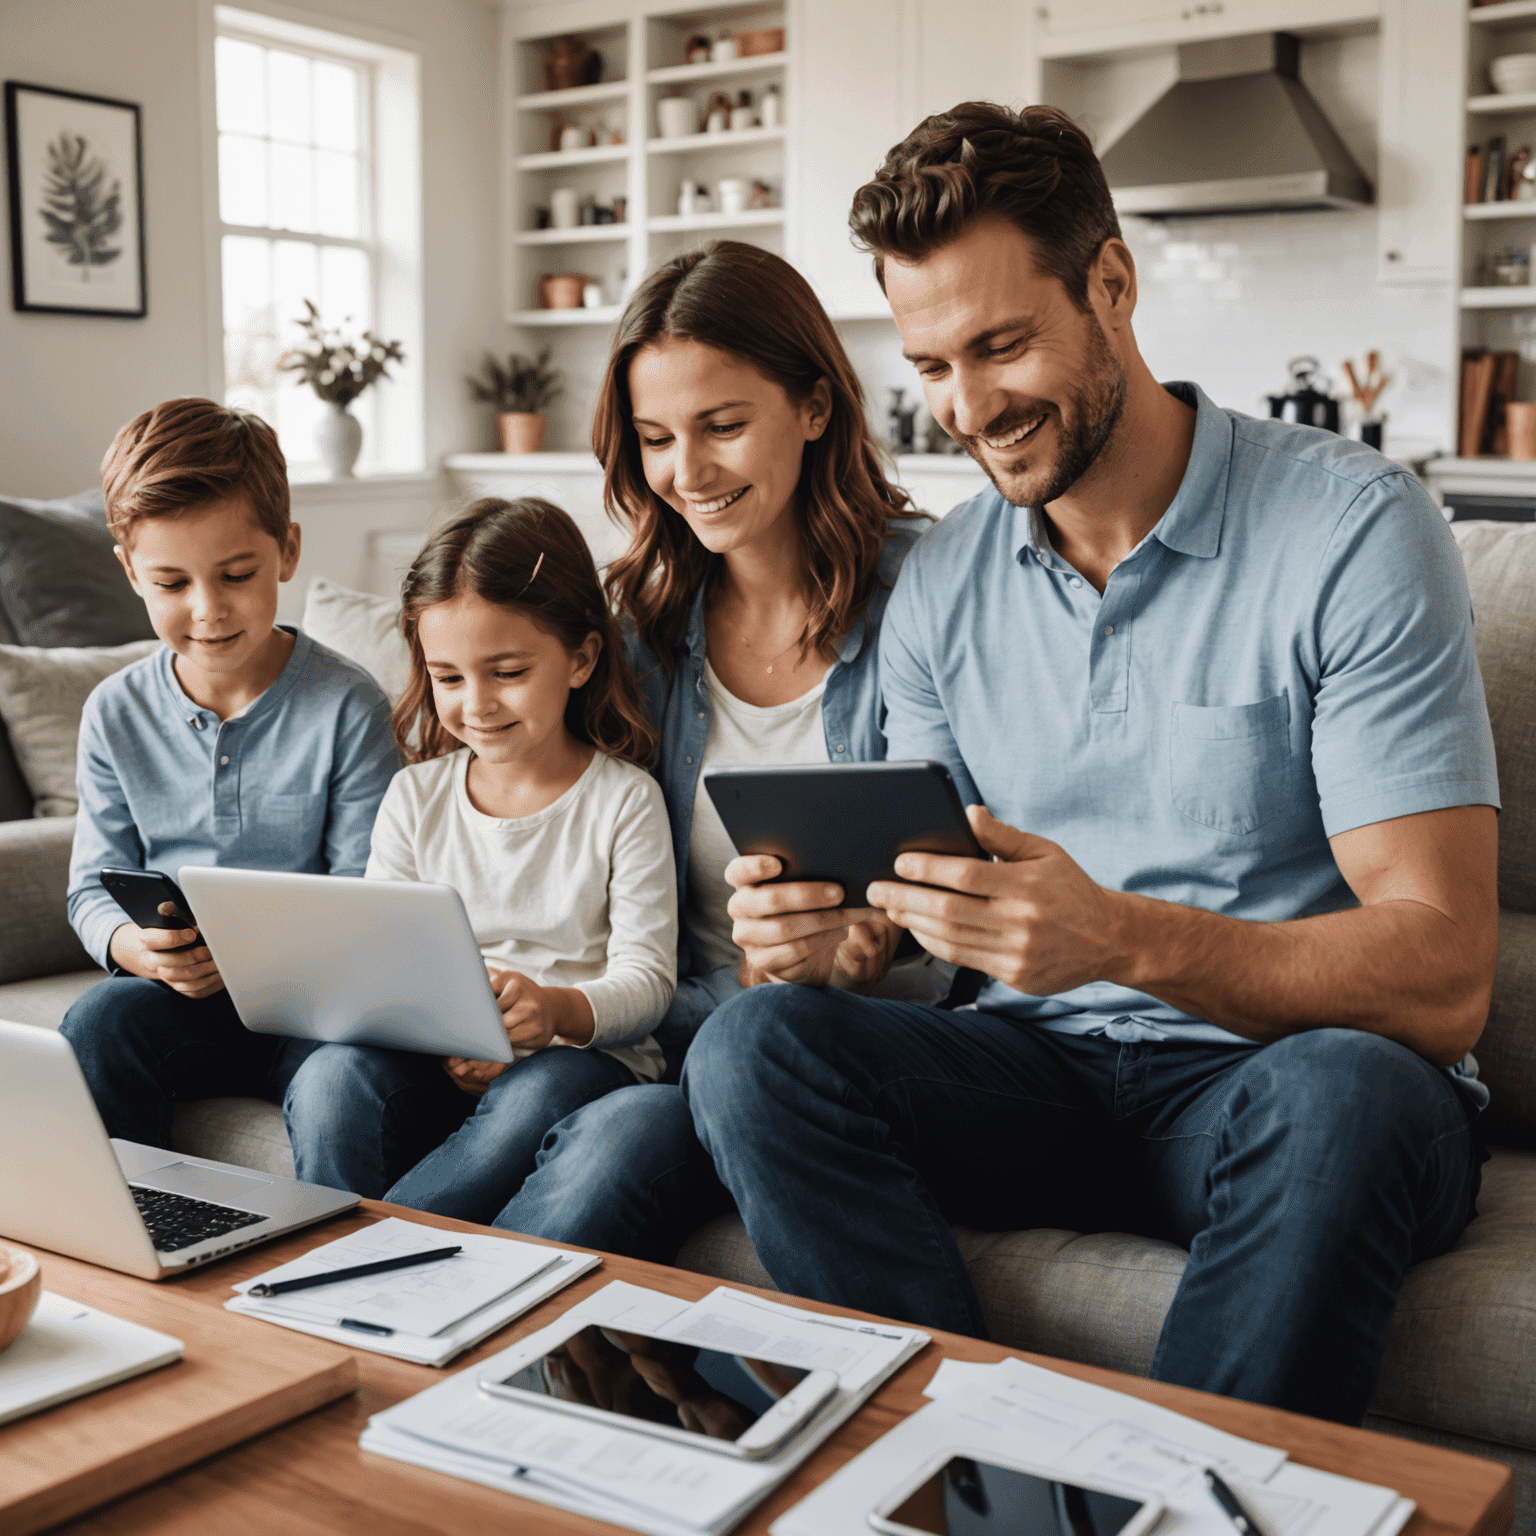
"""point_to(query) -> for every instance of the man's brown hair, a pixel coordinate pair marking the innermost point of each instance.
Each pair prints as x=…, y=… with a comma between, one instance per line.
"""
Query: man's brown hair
x=188, y=451
x=1035, y=168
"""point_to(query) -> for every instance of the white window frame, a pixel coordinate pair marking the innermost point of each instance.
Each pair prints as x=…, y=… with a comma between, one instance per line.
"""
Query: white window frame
x=389, y=203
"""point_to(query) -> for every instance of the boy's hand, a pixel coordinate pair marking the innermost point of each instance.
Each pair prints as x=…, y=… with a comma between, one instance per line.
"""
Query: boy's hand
x=148, y=952
x=533, y=1015
x=473, y=1076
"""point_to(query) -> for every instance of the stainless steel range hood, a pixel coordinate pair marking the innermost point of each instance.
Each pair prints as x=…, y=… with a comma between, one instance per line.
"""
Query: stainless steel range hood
x=1237, y=133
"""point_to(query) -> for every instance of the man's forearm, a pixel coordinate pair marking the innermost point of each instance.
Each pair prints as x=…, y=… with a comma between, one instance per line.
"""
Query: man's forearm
x=1401, y=969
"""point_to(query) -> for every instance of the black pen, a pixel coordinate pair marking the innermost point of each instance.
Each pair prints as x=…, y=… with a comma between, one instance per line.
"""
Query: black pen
x=1231, y=1507
x=359, y=1326
x=356, y=1272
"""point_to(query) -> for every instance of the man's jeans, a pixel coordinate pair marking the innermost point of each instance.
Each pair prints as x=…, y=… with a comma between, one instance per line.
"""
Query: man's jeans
x=1304, y=1176
x=141, y=1046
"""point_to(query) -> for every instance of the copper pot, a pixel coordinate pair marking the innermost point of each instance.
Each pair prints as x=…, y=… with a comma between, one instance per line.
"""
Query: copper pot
x=561, y=290
x=522, y=431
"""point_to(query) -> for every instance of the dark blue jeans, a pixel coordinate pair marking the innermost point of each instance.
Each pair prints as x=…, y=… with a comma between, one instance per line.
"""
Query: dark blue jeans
x=142, y=1046
x=1304, y=1177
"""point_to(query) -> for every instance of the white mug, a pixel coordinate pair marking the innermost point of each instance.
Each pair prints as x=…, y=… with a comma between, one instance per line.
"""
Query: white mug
x=723, y=51
x=677, y=116
x=563, y=210
x=716, y=122
x=742, y=117
x=733, y=195
x=592, y=296
x=572, y=137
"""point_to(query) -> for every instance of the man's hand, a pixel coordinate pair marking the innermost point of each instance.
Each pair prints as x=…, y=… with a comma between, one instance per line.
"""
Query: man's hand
x=147, y=952
x=798, y=931
x=1032, y=919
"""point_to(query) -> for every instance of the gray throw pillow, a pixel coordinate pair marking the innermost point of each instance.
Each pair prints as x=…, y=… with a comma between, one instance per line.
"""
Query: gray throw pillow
x=60, y=583
x=15, y=797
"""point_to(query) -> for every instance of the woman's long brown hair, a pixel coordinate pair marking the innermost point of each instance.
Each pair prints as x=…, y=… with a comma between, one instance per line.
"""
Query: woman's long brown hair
x=526, y=555
x=754, y=305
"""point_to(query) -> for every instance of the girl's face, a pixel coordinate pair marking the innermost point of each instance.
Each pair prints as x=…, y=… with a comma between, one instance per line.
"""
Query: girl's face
x=721, y=443
x=499, y=681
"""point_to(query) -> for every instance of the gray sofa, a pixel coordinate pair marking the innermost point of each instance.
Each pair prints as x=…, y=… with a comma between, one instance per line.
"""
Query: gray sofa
x=1461, y=1361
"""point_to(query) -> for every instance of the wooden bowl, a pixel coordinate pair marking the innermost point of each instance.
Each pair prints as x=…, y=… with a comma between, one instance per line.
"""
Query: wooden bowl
x=21, y=1283
x=561, y=290
x=759, y=41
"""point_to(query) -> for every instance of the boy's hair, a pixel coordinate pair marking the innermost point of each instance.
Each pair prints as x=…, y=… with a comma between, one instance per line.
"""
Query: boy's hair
x=1035, y=168
x=188, y=451
x=529, y=556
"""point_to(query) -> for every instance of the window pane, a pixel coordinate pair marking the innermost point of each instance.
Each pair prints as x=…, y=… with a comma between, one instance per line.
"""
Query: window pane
x=296, y=413
x=293, y=200
x=336, y=193
x=242, y=180
x=288, y=96
x=241, y=77
x=250, y=344
x=335, y=106
x=295, y=277
x=344, y=287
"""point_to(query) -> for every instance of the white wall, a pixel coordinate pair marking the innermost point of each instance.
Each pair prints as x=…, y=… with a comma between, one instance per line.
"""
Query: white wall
x=67, y=383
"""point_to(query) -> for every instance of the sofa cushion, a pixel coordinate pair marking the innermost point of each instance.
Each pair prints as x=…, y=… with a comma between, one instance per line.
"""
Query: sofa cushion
x=15, y=797
x=44, y=1000
x=1506, y=1054
x=42, y=692
x=60, y=583
x=35, y=938
x=247, y=1132
x=1501, y=570
x=1462, y=1320
x=364, y=628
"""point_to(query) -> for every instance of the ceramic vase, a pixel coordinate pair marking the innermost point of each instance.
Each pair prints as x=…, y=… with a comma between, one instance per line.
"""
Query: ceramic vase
x=339, y=436
x=522, y=431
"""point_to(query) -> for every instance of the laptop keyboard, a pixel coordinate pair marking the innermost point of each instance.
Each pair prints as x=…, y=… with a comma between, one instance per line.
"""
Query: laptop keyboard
x=178, y=1221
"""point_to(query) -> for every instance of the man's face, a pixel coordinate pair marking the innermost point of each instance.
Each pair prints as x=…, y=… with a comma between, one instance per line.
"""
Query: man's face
x=1012, y=369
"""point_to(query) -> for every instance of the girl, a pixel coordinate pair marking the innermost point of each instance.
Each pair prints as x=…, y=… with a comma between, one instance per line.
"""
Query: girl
x=526, y=794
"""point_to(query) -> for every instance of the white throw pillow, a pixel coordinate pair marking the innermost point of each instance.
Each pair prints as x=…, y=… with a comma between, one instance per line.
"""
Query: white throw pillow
x=42, y=691
x=364, y=628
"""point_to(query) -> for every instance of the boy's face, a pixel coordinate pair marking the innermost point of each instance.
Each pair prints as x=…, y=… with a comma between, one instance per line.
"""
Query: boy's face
x=209, y=578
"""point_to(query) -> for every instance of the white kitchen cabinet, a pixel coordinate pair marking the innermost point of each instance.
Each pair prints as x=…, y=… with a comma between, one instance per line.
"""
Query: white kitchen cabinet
x=1419, y=174
x=869, y=71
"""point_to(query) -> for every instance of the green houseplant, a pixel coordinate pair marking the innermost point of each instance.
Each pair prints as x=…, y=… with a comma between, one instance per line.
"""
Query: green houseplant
x=339, y=369
x=519, y=391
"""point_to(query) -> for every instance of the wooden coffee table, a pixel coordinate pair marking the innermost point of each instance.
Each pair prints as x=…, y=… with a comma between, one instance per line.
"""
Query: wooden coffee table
x=309, y=1477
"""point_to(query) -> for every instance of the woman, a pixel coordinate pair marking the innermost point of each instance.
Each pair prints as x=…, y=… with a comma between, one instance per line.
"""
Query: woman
x=765, y=540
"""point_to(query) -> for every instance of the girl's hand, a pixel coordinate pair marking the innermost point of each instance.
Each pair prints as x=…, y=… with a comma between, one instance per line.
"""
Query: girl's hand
x=149, y=952
x=473, y=1076
x=533, y=1015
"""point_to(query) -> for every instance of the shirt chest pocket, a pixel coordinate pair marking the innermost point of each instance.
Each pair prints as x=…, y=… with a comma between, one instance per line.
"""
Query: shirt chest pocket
x=1230, y=765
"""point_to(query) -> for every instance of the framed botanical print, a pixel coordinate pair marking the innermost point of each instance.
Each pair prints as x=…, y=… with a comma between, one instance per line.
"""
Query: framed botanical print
x=77, y=202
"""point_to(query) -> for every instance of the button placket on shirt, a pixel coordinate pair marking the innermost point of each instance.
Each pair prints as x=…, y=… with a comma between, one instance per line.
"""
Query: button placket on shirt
x=226, y=772
x=1109, y=650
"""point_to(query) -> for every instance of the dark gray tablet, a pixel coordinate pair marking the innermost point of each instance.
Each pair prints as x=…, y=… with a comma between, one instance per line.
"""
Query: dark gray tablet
x=845, y=822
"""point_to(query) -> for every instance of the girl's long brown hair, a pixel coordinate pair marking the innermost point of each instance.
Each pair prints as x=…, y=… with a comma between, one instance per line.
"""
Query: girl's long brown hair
x=753, y=304
x=526, y=555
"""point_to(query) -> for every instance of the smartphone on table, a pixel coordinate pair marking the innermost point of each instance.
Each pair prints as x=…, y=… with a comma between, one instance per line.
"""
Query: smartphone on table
x=965, y=1496
x=142, y=892
x=702, y=1397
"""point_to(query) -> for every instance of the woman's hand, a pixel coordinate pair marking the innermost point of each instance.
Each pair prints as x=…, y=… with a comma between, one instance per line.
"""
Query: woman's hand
x=149, y=952
x=533, y=1015
x=865, y=955
x=787, y=932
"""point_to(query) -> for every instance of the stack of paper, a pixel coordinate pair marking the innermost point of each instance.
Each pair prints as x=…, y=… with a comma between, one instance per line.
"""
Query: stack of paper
x=433, y=1311
x=1021, y=1414
x=627, y=1476
x=69, y=1349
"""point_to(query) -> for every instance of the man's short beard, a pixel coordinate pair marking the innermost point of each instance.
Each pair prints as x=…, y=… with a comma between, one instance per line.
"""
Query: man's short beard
x=1096, y=407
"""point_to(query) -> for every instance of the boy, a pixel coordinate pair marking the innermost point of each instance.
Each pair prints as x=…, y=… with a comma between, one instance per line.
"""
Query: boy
x=240, y=742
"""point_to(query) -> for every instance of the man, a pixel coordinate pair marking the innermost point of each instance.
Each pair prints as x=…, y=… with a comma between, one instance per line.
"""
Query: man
x=1213, y=680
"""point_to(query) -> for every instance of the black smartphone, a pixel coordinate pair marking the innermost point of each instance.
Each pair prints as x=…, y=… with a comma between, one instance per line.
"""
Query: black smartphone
x=844, y=822
x=142, y=892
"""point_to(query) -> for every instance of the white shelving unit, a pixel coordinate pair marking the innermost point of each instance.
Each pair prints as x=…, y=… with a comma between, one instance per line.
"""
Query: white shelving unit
x=1500, y=318
x=642, y=43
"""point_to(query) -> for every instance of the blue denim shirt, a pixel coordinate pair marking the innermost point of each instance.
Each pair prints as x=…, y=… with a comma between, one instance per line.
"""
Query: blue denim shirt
x=852, y=707
x=293, y=783
x=1286, y=655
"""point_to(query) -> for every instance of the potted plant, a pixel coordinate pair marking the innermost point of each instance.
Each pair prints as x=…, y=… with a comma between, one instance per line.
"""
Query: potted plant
x=519, y=391
x=338, y=369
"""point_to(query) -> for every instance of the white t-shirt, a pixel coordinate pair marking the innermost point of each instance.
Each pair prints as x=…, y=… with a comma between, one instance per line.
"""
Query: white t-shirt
x=581, y=894
x=766, y=736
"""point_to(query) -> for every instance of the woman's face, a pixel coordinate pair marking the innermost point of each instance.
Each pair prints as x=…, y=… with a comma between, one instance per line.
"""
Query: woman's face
x=720, y=442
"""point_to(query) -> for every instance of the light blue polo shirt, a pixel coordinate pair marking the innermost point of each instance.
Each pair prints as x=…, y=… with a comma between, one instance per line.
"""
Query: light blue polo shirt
x=1286, y=655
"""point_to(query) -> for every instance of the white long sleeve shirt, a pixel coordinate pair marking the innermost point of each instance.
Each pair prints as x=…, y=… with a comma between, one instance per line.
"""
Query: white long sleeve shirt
x=581, y=894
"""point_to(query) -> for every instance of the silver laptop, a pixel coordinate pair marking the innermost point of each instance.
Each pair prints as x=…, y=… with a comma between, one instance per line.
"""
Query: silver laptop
x=142, y=1210
x=360, y=962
